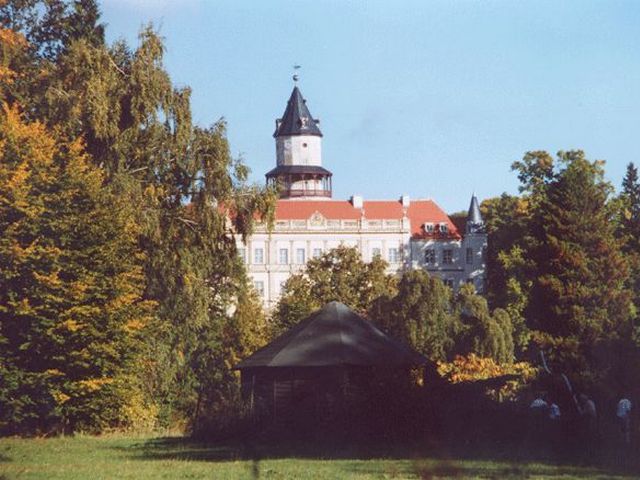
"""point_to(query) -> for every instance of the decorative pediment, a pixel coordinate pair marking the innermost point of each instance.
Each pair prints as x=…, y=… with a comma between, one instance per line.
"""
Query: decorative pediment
x=317, y=219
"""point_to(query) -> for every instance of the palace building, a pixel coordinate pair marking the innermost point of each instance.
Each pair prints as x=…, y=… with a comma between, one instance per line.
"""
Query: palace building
x=407, y=233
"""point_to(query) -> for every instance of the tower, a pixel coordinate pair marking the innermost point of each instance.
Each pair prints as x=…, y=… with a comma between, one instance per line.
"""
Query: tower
x=475, y=246
x=299, y=172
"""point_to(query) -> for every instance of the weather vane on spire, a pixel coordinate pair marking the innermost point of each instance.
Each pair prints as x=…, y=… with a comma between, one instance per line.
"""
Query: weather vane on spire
x=296, y=77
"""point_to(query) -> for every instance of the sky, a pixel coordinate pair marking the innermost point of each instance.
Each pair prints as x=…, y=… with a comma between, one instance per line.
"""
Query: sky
x=434, y=99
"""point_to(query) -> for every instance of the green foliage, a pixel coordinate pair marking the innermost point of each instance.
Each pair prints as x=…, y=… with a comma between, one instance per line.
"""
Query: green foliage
x=579, y=288
x=579, y=295
x=629, y=229
x=339, y=274
x=178, y=182
x=72, y=313
x=420, y=314
x=507, y=220
x=486, y=335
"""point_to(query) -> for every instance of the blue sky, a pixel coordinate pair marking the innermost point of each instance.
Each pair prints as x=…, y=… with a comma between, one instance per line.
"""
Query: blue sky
x=434, y=99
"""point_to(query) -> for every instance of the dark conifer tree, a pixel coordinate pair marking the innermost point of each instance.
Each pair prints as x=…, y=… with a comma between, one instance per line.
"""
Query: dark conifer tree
x=580, y=295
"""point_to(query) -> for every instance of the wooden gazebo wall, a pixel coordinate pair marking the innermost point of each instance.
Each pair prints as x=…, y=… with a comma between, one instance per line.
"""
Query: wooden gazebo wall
x=302, y=393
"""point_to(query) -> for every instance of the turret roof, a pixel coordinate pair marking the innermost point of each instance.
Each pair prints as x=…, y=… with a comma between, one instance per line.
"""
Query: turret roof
x=475, y=224
x=474, y=216
x=297, y=119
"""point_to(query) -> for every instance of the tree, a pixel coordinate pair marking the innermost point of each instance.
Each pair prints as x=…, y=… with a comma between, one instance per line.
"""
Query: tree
x=339, y=274
x=486, y=335
x=72, y=312
x=188, y=195
x=579, y=293
x=420, y=314
x=629, y=228
x=508, y=219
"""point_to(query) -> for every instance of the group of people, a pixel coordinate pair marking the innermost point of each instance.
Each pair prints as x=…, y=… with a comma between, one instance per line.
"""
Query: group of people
x=543, y=407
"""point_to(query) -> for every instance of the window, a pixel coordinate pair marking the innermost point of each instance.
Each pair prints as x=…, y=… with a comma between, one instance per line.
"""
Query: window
x=317, y=252
x=430, y=256
x=259, y=286
x=428, y=227
x=283, y=257
x=242, y=253
x=375, y=252
x=300, y=256
x=258, y=255
x=447, y=257
x=469, y=256
x=444, y=228
x=448, y=282
x=394, y=255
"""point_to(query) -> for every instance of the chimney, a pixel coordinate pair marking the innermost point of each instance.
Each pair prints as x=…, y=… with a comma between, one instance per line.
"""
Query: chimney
x=405, y=200
x=356, y=201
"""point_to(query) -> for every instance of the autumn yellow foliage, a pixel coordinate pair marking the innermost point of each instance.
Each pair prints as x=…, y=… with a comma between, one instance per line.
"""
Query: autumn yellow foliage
x=473, y=368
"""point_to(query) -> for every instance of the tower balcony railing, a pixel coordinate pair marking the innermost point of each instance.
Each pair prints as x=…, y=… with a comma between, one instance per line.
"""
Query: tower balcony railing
x=301, y=192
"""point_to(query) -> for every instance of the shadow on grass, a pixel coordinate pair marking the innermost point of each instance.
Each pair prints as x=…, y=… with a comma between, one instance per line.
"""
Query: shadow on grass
x=425, y=461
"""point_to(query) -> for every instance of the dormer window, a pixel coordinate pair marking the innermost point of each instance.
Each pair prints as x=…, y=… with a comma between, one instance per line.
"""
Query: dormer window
x=428, y=227
x=444, y=228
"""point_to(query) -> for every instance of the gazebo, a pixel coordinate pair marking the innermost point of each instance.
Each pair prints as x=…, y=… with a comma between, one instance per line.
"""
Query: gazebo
x=314, y=369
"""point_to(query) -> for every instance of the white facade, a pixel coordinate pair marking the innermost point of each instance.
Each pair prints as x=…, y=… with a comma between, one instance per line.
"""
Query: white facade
x=271, y=257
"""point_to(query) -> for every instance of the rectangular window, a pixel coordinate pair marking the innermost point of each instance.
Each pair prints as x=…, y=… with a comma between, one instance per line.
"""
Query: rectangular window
x=300, y=256
x=447, y=257
x=258, y=255
x=317, y=252
x=283, y=257
x=430, y=256
x=375, y=252
x=394, y=255
x=242, y=253
x=259, y=286
x=448, y=282
x=469, y=256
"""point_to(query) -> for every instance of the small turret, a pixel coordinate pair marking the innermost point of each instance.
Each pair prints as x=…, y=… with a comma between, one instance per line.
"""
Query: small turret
x=475, y=224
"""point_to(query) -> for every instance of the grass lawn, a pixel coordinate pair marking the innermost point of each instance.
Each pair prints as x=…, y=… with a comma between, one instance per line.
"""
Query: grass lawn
x=118, y=456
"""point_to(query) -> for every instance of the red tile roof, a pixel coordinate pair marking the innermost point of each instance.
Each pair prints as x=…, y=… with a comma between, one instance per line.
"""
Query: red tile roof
x=303, y=209
x=419, y=213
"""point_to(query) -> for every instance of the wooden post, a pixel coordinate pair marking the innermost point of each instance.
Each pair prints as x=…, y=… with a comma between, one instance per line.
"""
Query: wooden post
x=274, y=399
x=253, y=386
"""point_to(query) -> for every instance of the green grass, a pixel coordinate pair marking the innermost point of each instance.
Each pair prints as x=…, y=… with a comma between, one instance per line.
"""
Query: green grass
x=117, y=456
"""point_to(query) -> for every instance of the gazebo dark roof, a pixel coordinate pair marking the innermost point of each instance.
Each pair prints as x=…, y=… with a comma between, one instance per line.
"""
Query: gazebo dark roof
x=333, y=336
x=297, y=119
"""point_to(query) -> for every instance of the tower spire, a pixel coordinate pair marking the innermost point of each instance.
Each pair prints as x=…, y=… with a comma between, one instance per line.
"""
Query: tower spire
x=475, y=224
x=297, y=119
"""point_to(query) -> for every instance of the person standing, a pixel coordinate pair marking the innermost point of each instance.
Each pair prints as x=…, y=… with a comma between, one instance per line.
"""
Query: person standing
x=623, y=412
